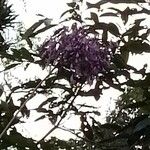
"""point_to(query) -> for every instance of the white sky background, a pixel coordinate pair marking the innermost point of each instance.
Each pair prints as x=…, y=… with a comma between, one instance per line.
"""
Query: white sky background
x=52, y=9
x=29, y=8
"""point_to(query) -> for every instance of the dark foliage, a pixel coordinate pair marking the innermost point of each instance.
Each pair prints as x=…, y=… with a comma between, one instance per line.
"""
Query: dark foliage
x=127, y=127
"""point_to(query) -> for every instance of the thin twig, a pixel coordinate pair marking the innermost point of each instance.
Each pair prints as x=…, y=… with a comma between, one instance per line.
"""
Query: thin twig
x=21, y=107
x=62, y=117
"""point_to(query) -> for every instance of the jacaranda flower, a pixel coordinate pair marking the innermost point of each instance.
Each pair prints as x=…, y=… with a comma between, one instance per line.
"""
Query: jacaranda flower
x=85, y=56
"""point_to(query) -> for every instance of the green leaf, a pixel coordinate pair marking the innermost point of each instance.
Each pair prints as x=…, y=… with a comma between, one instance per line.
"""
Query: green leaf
x=30, y=30
x=142, y=124
x=41, y=117
x=98, y=25
x=51, y=99
x=113, y=126
x=3, y=106
x=73, y=4
x=58, y=31
x=26, y=54
x=95, y=5
x=94, y=17
x=105, y=36
x=113, y=29
x=42, y=30
x=133, y=32
x=115, y=9
x=49, y=81
x=145, y=108
x=11, y=66
x=17, y=54
x=96, y=113
x=43, y=110
x=52, y=118
x=119, y=61
x=31, y=84
x=125, y=15
x=109, y=14
x=124, y=55
x=122, y=1
x=67, y=11
x=137, y=46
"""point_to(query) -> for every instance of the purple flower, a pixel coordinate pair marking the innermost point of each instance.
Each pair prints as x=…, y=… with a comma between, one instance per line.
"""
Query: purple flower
x=75, y=50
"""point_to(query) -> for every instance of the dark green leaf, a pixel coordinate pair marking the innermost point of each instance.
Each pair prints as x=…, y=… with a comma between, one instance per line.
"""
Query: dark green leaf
x=51, y=99
x=95, y=5
x=31, y=84
x=96, y=113
x=105, y=36
x=26, y=54
x=53, y=118
x=25, y=111
x=42, y=110
x=137, y=46
x=42, y=117
x=113, y=29
x=73, y=4
x=94, y=17
x=125, y=14
x=109, y=15
x=142, y=124
x=30, y=30
x=122, y=1
x=42, y=30
x=98, y=26
x=119, y=61
x=115, y=9
x=67, y=11
x=111, y=126
x=58, y=31
x=133, y=32
x=124, y=55
x=11, y=66
x=49, y=82
x=17, y=54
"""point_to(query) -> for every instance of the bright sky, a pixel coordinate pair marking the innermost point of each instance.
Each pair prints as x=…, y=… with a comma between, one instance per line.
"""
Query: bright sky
x=27, y=11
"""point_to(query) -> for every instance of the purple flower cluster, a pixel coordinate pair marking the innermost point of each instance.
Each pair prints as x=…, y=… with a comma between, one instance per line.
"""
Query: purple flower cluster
x=77, y=51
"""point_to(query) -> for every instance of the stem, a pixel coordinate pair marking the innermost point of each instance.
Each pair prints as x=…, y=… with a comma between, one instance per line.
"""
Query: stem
x=63, y=115
x=21, y=107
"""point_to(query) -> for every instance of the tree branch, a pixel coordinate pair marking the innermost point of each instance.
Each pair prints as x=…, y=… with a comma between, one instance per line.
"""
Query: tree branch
x=22, y=106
